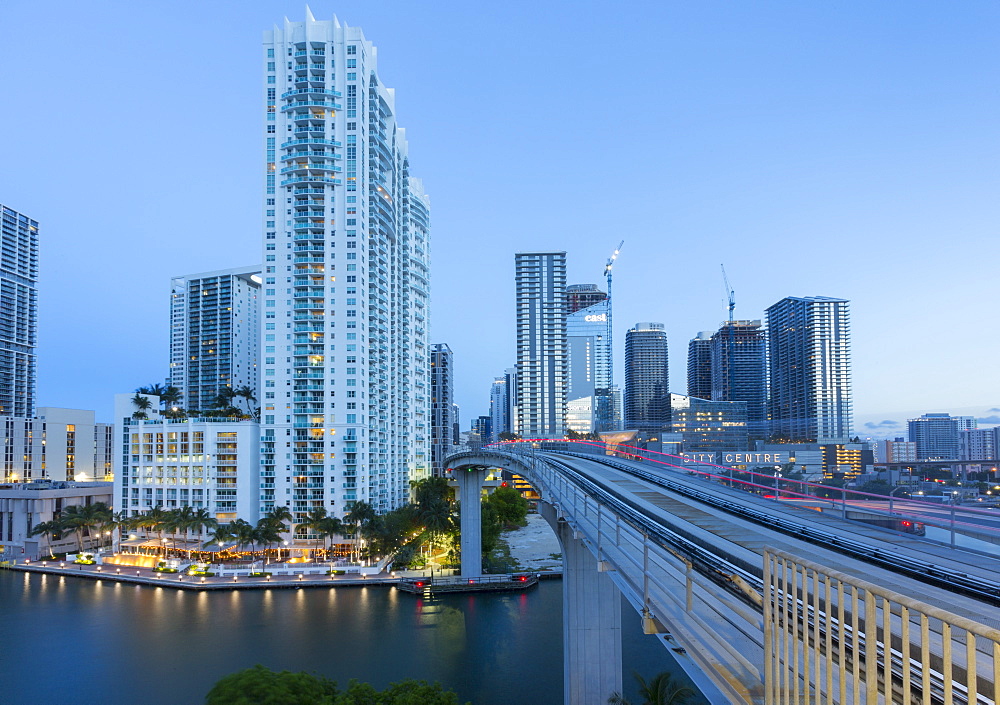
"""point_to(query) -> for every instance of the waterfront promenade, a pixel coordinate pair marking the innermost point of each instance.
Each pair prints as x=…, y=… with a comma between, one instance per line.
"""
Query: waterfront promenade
x=183, y=581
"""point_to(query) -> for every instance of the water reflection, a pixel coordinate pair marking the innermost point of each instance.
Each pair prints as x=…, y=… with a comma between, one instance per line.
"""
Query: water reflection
x=491, y=649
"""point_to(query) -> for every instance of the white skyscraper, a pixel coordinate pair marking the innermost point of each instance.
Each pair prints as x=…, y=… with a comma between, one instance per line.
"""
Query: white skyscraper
x=542, y=369
x=214, y=334
x=345, y=372
x=18, y=312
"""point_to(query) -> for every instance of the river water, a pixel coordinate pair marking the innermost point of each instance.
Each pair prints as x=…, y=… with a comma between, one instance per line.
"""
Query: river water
x=66, y=640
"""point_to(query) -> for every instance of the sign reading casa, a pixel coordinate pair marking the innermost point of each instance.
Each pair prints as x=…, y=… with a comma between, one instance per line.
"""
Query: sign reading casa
x=727, y=458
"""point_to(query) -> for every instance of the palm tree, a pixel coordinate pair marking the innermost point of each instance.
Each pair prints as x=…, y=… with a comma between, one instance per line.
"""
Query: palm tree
x=170, y=396
x=247, y=394
x=360, y=515
x=48, y=529
x=156, y=389
x=242, y=533
x=142, y=404
x=221, y=535
x=267, y=532
x=153, y=520
x=77, y=519
x=661, y=690
x=328, y=528
x=314, y=522
x=202, y=519
x=436, y=519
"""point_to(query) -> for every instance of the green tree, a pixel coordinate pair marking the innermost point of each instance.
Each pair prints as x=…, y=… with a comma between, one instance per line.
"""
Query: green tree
x=328, y=528
x=430, y=490
x=49, y=529
x=408, y=692
x=508, y=436
x=262, y=686
x=510, y=505
x=661, y=690
x=142, y=406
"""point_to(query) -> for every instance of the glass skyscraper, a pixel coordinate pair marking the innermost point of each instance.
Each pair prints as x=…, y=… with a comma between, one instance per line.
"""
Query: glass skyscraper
x=345, y=381
x=739, y=371
x=647, y=379
x=809, y=361
x=588, y=389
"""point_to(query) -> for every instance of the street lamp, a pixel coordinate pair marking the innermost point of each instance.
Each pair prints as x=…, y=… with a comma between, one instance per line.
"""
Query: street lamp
x=891, y=494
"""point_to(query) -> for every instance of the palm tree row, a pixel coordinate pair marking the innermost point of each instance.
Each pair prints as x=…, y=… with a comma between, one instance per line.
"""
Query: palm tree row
x=226, y=404
x=94, y=519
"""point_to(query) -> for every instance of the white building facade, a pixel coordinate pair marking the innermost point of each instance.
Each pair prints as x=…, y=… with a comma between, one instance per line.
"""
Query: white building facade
x=56, y=445
x=23, y=506
x=542, y=365
x=345, y=370
x=18, y=312
x=195, y=462
x=214, y=334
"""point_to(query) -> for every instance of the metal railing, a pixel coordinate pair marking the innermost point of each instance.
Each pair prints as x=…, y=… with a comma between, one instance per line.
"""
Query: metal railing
x=830, y=637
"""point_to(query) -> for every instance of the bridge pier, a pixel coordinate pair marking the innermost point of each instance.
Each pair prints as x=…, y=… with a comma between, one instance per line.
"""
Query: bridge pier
x=592, y=641
x=470, y=490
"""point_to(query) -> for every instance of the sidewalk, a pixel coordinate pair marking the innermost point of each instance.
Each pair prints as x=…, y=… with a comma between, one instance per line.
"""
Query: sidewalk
x=146, y=576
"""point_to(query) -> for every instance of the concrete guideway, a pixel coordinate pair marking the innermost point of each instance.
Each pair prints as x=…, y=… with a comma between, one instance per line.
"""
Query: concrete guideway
x=696, y=575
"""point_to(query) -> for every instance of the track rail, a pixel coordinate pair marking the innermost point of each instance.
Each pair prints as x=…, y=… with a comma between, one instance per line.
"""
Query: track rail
x=980, y=588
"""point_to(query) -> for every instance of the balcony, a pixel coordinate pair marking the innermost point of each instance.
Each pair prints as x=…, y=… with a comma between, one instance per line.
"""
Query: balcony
x=309, y=91
x=311, y=179
x=310, y=104
x=292, y=143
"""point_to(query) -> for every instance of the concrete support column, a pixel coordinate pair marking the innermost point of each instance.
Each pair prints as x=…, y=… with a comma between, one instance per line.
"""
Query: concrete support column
x=592, y=643
x=470, y=486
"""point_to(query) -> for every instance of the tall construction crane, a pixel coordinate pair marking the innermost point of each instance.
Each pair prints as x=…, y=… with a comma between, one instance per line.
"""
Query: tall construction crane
x=730, y=346
x=606, y=417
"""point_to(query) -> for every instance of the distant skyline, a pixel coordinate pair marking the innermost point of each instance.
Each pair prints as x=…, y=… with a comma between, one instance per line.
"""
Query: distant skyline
x=814, y=149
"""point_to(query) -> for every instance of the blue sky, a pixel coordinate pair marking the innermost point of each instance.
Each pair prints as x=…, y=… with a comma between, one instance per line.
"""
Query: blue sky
x=845, y=149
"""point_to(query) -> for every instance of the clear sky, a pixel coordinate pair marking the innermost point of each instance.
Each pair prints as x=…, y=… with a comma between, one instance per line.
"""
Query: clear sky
x=836, y=149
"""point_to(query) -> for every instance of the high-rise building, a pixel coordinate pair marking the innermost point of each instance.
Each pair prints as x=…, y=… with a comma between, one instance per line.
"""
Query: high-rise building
x=707, y=425
x=588, y=386
x=739, y=371
x=483, y=427
x=214, y=334
x=699, y=369
x=503, y=404
x=647, y=379
x=540, y=287
x=18, y=312
x=979, y=444
x=899, y=451
x=581, y=296
x=345, y=381
x=936, y=435
x=443, y=421
x=809, y=361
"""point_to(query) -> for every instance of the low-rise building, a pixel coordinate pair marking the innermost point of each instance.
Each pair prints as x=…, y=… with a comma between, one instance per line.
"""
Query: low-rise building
x=56, y=444
x=25, y=505
x=206, y=463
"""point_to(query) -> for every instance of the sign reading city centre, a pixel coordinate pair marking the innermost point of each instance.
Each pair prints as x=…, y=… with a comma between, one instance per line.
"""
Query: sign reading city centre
x=728, y=458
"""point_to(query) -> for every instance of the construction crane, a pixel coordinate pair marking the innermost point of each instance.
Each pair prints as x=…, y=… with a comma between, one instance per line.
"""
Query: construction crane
x=606, y=417
x=731, y=294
